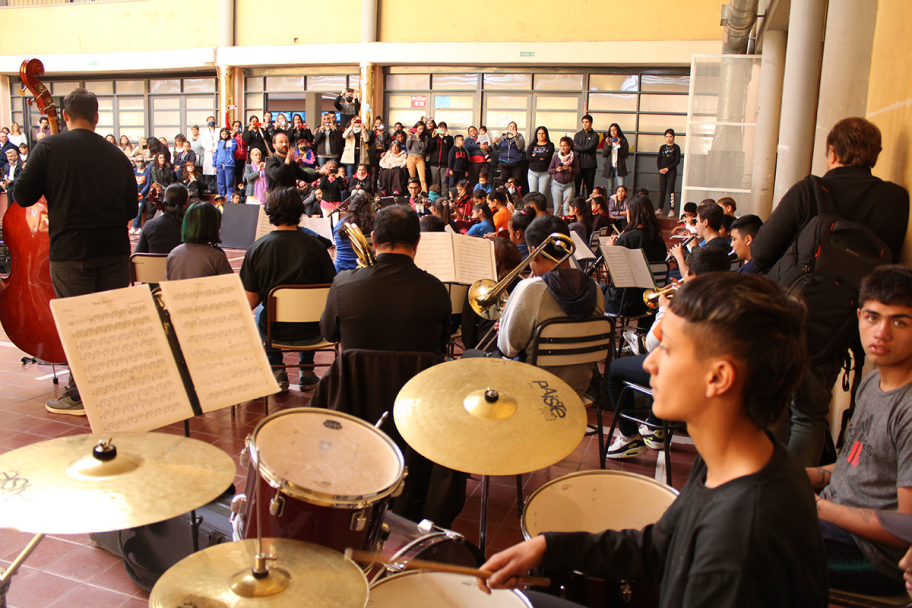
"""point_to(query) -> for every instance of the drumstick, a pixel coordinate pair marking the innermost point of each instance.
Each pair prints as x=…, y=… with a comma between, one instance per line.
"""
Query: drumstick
x=420, y=564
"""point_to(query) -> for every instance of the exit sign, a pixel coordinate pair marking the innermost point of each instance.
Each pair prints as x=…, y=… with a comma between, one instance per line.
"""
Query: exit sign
x=527, y=53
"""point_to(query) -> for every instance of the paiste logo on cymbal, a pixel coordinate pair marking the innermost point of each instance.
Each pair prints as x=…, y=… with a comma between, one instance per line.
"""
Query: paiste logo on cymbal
x=549, y=398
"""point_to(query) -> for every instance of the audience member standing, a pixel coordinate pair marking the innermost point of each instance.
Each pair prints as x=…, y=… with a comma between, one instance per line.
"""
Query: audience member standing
x=539, y=154
x=585, y=145
x=209, y=138
x=667, y=162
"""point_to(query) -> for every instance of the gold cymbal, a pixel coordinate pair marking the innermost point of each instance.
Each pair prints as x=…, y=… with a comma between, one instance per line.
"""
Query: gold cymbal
x=303, y=574
x=490, y=416
x=59, y=487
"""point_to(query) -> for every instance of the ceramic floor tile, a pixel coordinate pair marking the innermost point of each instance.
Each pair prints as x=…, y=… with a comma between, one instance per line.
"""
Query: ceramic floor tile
x=83, y=563
x=86, y=596
x=39, y=590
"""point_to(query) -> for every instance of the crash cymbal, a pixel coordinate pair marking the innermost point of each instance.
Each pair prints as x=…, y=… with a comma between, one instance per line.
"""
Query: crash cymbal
x=490, y=416
x=60, y=487
x=303, y=574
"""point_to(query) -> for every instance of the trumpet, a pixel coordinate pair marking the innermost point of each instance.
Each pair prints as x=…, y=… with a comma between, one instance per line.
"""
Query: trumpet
x=651, y=296
x=488, y=298
x=360, y=245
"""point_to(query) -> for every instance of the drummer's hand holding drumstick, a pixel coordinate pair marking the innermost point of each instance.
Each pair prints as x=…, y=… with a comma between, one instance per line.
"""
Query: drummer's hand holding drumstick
x=513, y=563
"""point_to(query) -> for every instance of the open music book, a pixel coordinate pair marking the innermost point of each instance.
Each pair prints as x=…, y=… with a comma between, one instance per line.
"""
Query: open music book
x=582, y=249
x=627, y=267
x=456, y=258
x=321, y=225
x=142, y=362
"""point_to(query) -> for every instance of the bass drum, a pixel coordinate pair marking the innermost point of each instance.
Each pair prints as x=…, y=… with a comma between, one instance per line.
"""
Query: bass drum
x=422, y=589
x=588, y=501
x=404, y=540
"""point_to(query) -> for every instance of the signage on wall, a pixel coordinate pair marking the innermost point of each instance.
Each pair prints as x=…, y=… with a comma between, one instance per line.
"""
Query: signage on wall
x=419, y=101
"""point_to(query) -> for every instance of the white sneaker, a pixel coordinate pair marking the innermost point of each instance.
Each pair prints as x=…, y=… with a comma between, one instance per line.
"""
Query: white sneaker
x=632, y=339
x=131, y=231
x=654, y=440
x=626, y=447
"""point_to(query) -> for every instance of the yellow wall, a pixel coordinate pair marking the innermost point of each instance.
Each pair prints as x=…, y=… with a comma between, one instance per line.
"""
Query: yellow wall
x=104, y=27
x=890, y=96
x=268, y=22
x=577, y=20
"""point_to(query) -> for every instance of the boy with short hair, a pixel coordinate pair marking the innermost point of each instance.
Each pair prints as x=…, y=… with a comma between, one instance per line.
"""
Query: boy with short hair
x=457, y=162
x=743, y=231
x=483, y=183
x=728, y=204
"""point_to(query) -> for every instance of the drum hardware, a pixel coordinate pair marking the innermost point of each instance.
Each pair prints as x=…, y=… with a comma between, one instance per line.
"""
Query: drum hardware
x=277, y=505
x=359, y=520
x=428, y=566
x=381, y=420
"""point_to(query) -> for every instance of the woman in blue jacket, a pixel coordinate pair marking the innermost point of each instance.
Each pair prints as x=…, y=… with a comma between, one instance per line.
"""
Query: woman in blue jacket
x=512, y=157
x=223, y=162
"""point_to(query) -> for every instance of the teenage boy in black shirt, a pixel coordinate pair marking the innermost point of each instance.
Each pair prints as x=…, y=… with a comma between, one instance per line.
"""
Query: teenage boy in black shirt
x=667, y=162
x=743, y=531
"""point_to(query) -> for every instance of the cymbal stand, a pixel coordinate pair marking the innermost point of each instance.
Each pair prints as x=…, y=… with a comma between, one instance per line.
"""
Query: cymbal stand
x=483, y=518
x=194, y=521
x=14, y=567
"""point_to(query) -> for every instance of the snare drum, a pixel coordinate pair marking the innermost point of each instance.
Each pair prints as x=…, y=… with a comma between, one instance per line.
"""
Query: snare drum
x=324, y=477
x=404, y=540
x=422, y=589
x=594, y=501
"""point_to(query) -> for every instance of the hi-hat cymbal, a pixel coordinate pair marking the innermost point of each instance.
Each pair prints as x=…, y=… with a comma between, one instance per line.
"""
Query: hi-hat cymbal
x=59, y=487
x=490, y=416
x=303, y=574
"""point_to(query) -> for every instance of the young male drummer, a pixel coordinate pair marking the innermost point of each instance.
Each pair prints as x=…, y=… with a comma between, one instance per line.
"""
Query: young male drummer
x=743, y=530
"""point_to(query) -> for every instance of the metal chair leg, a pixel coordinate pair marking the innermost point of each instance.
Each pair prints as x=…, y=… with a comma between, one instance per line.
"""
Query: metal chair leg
x=667, y=453
x=519, y=496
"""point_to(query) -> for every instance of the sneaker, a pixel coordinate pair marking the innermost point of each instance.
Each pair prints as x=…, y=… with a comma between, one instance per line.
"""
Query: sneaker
x=626, y=447
x=65, y=405
x=308, y=382
x=131, y=231
x=659, y=212
x=282, y=378
x=632, y=338
x=654, y=440
x=672, y=214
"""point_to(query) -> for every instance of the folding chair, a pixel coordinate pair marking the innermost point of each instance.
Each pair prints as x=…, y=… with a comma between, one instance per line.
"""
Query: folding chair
x=458, y=295
x=148, y=268
x=296, y=304
x=660, y=278
x=563, y=341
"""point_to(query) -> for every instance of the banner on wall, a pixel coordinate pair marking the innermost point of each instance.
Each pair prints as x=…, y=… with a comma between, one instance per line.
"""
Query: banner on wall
x=419, y=101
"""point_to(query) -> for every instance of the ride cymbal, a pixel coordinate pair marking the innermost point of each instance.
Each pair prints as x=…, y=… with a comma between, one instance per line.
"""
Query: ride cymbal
x=303, y=574
x=490, y=416
x=61, y=486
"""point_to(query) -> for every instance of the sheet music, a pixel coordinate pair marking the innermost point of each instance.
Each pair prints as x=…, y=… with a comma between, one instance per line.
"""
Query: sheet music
x=220, y=341
x=322, y=226
x=263, y=226
x=582, y=249
x=628, y=267
x=449, y=229
x=474, y=259
x=119, y=355
x=435, y=255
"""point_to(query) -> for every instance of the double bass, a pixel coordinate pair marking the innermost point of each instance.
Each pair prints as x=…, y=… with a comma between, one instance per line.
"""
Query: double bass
x=25, y=296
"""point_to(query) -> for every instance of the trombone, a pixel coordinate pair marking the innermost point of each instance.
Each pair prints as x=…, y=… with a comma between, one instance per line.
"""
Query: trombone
x=488, y=298
x=359, y=244
x=651, y=296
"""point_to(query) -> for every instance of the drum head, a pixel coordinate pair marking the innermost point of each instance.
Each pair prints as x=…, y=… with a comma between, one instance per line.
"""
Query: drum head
x=593, y=501
x=324, y=453
x=423, y=589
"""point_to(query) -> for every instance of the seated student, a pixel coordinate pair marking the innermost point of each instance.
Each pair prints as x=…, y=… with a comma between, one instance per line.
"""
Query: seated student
x=482, y=213
x=537, y=201
x=163, y=233
x=416, y=200
x=728, y=204
x=617, y=207
x=743, y=231
x=432, y=223
x=519, y=222
x=688, y=222
x=601, y=217
x=709, y=221
x=725, y=230
x=874, y=469
x=483, y=183
x=286, y=256
x=199, y=255
x=498, y=203
x=581, y=210
x=551, y=292
x=632, y=441
x=361, y=180
x=361, y=214
x=743, y=530
x=900, y=526
x=477, y=331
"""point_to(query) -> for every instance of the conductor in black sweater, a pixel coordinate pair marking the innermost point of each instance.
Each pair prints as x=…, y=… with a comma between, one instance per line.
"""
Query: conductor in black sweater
x=281, y=169
x=91, y=196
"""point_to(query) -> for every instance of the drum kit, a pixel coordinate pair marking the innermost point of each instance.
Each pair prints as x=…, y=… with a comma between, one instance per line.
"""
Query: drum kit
x=319, y=483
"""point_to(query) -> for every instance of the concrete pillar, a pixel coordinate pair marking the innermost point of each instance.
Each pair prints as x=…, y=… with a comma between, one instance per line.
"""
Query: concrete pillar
x=845, y=69
x=368, y=21
x=763, y=173
x=799, y=94
x=226, y=22
x=366, y=94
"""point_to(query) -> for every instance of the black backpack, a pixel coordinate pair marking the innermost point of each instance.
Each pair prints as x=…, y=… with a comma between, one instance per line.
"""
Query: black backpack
x=825, y=266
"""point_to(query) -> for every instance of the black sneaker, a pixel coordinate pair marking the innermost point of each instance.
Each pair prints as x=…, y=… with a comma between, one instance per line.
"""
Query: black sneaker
x=65, y=405
x=626, y=447
x=282, y=378
x=308, y=382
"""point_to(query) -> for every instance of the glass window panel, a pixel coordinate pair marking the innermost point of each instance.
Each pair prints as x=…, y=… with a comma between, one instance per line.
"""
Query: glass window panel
x=166, y=103
x=556, y=120
x=613, y=82
x=199, y=85
x=663, y=103
x=558, y=82
x=406, y=117
x=200, y=103
x=284, y=83
x=705, y=108
x=454, y=118
x=166, y=132
x=613, y=102
x=132, y=119
x=254, y=84
x=454, y=101
x=652, y=143
x=131, y=87
x=134, y=133
x=251, y=114
x=63, y=88
x=255, y=101
x=506, y=102
x=556, y=103
x=508, y=81
x=326, y=83
x=671, y=84
x=400, y=101
x=407, y=82
x=497, y=120
x=354, y=81
x=455, y=81
x=659, y=122
x=105, y=104
x=105, y=119
x=166, y=118
x=198, y=117
x=131, y=103
x=627, y=122
x=164, y=86
x=100, y=87
x=17, y=118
